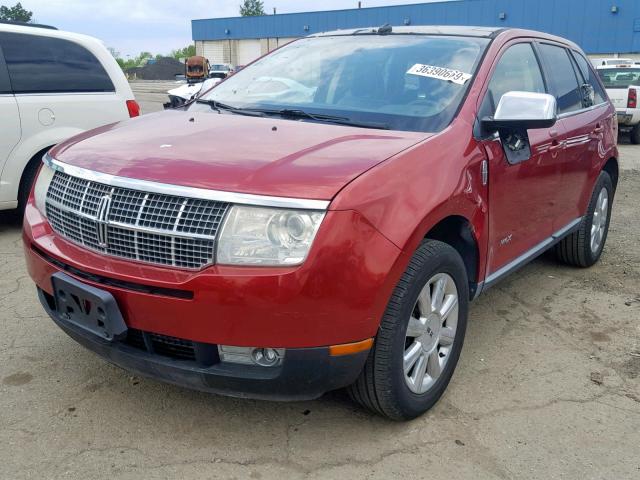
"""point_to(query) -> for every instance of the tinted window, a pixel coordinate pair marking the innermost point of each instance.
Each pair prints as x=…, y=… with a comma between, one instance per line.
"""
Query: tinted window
x=42, y=64
x=5, y=86
x=620, y=77
x=405, y=82
x=562, y=76
x=517, y=70
x=589, y=77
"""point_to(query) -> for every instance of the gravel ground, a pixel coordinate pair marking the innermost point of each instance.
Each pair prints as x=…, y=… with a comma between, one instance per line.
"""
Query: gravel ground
x=548, y=386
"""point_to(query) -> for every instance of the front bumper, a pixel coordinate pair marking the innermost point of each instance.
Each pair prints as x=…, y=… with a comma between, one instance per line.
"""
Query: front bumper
x=336, y=297
x=305, y=373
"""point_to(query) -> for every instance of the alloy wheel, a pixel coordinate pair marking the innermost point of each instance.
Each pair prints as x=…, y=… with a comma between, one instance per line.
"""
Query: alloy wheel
x=599, y=220
x=431, y=333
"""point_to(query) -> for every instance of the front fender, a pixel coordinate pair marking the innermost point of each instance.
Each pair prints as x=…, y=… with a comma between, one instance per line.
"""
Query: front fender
x=407, y=195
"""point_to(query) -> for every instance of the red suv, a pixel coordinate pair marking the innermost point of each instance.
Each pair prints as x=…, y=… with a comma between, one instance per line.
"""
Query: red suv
x=323, y=218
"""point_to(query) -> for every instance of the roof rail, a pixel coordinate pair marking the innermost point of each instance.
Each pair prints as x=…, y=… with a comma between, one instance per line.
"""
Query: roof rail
x=25, y=24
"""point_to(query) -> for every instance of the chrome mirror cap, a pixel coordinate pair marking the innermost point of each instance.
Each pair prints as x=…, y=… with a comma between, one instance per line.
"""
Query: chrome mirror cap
x=526, y=106
x=522, y=111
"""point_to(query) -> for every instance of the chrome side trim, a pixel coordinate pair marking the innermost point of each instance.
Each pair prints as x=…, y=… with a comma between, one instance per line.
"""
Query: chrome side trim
x=191, y=192
x=582, y=110
x=529, y=255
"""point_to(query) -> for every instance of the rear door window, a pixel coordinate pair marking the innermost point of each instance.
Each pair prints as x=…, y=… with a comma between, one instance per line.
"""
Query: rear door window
x=589, y=77
x=39, y=64
x=562, y=76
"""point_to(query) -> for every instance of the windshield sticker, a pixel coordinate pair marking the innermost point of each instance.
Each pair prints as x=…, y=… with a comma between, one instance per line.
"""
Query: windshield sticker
x=440, y=73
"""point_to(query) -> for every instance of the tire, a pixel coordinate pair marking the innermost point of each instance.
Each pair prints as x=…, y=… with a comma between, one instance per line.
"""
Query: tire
x=635, y=135
x=577, y=249
x=383, y=387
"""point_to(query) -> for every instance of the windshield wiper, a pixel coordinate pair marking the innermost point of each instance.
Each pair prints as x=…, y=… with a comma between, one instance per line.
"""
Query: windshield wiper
x=228, y=108
x=319, y=117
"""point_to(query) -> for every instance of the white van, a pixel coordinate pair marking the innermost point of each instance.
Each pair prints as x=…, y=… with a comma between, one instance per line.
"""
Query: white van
x=53, y=85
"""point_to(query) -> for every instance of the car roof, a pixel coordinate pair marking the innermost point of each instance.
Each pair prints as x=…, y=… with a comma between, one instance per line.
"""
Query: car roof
x=454, y=30
x=46, y=31
x=486, y=32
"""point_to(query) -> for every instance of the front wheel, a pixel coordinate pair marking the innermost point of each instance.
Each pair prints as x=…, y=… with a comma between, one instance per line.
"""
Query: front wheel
x=420, y=336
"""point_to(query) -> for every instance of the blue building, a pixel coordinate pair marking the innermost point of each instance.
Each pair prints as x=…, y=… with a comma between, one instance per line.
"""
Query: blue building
x=601, y=27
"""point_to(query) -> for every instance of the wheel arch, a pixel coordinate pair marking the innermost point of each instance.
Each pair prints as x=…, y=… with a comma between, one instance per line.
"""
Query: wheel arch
x=36, y=158
x=612, y=168
x=457, y=232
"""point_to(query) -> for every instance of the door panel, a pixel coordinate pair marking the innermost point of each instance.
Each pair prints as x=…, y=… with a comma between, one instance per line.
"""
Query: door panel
x=522, y=197
x=10, y=131
x=10, y=120
x=577, y=92
x=583, y=153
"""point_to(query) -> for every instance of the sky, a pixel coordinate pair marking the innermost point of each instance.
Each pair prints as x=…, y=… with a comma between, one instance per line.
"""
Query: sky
x=159, y=26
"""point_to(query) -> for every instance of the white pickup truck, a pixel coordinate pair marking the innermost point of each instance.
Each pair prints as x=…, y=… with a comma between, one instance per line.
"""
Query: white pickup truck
x=623, y=86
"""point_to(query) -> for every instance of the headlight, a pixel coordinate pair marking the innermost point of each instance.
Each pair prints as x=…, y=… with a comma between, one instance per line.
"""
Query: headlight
x=267, y=236
x=42, y=186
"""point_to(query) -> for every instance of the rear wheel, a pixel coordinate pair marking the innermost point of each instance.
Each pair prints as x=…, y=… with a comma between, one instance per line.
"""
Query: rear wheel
x=584, y=246
x=635, y=135
x=420, y=336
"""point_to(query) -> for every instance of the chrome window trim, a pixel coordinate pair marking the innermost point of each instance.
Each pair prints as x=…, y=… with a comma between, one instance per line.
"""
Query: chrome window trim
x=582, y=110
x=181, y=191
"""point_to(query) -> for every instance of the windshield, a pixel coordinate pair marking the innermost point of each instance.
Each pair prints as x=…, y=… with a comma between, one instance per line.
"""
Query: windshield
x=406, y=82
x=218, y=67
x=619, y=77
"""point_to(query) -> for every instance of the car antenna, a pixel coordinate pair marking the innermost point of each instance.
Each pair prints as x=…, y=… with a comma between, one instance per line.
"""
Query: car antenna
x=385, y=29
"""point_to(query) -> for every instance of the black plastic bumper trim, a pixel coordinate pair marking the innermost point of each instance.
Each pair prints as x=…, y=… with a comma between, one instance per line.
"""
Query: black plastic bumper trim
x=305, y=374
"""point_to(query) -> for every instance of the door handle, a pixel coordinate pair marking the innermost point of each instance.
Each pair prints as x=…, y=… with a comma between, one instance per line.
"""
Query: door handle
x=556, y=146
x=595, y=133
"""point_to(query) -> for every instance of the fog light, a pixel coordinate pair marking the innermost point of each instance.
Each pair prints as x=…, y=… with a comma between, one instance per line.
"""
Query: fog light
x=265, y=357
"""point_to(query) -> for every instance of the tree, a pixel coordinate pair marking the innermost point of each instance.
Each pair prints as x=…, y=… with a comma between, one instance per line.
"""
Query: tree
x=185, y=52
x=252, y=8
x=15, y=13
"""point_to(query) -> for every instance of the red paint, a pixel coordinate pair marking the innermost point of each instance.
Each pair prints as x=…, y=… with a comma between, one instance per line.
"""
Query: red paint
x=387, y=189
x=235, y=153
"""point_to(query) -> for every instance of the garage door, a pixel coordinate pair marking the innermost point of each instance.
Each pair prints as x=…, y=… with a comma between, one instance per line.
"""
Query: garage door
x=214, y=52
x=248, y=51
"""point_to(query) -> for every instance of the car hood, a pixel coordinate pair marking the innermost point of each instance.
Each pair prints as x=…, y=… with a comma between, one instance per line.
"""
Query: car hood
x=263, y=156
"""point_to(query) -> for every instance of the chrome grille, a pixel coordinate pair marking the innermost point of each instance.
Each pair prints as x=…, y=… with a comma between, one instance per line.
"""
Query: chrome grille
x=133, y=224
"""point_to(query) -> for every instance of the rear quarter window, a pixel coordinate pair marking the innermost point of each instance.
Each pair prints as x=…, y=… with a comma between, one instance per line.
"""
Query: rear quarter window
x=39, y=64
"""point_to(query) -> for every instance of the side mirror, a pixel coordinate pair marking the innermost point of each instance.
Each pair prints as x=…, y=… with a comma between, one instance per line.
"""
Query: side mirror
x=522, y=111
